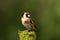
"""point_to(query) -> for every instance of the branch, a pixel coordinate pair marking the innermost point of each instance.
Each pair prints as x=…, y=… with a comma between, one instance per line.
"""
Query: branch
x=25, y=35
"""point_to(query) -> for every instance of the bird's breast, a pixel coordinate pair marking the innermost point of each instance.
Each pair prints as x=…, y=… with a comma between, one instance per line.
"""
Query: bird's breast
x=26, y=22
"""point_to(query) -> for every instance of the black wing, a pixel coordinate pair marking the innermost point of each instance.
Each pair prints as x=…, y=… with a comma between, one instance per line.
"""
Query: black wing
x=35, y=28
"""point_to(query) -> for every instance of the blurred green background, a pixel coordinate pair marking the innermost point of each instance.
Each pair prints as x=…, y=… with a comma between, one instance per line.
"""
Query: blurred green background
x=45, y=13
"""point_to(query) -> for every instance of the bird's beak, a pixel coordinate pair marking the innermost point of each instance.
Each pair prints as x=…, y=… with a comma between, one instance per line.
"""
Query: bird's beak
x=28, y=15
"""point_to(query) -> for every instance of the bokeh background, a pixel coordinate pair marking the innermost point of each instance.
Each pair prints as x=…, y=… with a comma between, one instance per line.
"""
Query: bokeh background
x=45, y=13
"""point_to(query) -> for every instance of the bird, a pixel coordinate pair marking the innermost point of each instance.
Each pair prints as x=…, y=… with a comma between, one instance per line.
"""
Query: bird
x=27, y=22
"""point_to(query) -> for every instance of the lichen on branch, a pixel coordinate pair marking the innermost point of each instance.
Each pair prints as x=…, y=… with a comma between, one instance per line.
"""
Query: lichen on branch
x=26, y=35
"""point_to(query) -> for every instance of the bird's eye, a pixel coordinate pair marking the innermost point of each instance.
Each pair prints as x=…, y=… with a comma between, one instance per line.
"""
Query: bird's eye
x=27, y=15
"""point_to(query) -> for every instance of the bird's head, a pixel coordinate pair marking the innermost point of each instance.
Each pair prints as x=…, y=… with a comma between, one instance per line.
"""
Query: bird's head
x=26, y=15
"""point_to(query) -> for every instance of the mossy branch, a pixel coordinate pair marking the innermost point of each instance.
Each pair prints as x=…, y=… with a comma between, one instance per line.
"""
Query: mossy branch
x=26, y=35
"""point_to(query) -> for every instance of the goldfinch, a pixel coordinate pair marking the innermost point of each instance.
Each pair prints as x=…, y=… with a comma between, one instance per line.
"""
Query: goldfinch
x=27, y=22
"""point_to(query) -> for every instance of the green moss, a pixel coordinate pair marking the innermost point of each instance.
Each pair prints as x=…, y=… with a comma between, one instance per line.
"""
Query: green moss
x=25, y=35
